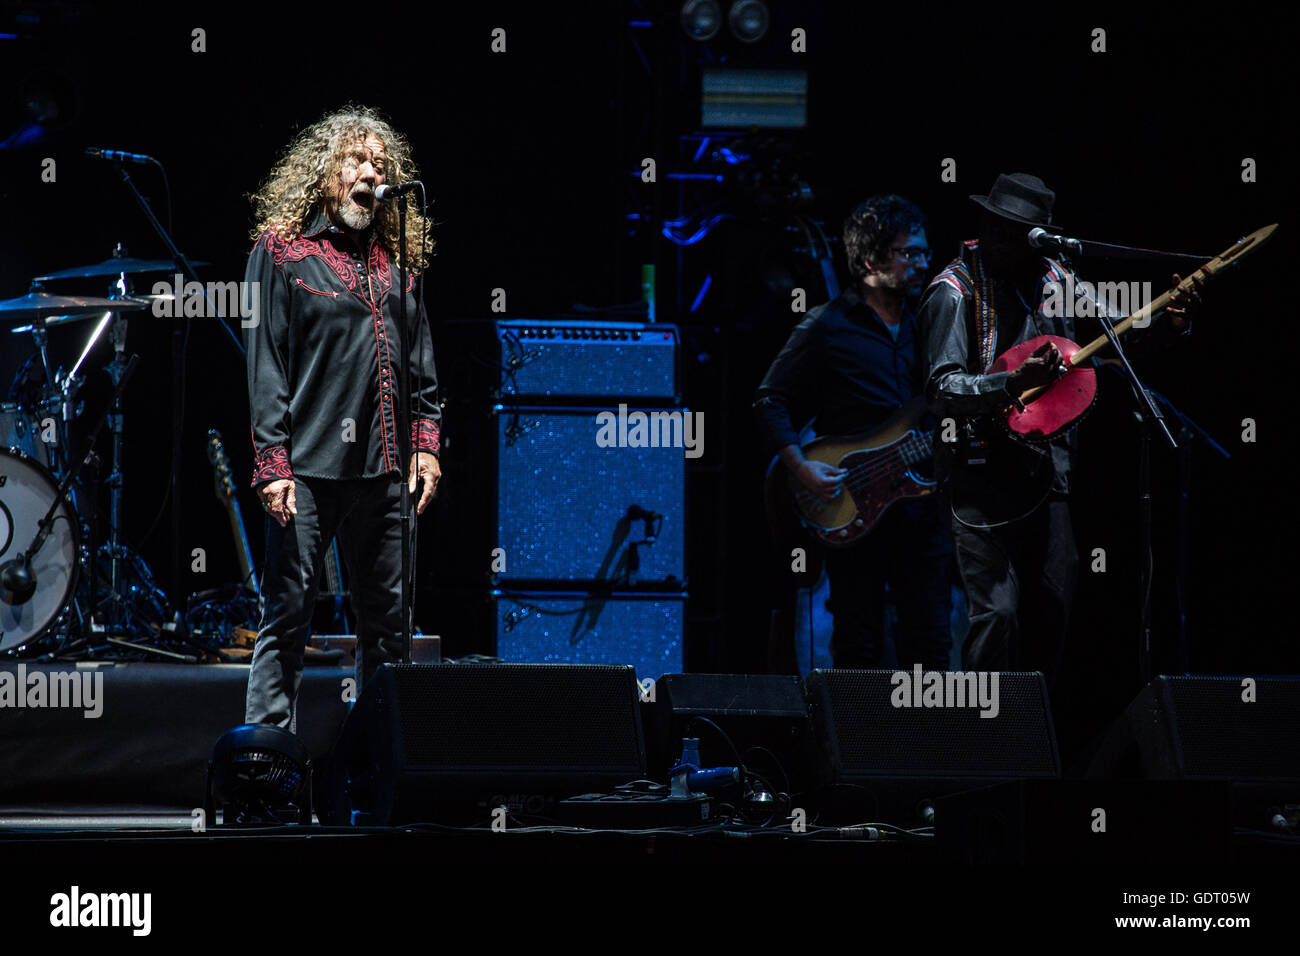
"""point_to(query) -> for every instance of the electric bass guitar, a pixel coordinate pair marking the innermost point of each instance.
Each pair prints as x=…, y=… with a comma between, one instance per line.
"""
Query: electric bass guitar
x=885, y=465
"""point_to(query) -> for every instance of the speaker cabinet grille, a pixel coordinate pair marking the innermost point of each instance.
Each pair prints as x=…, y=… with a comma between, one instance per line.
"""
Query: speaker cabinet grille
x=500, y=717
x=642, y=630
x=864, y=735
x=425, y=740
x=585, y=359
x=1209, y=731
x=563, y=502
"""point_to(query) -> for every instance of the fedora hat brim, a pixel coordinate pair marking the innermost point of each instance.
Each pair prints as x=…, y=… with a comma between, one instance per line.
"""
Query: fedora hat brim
x=1003, y=214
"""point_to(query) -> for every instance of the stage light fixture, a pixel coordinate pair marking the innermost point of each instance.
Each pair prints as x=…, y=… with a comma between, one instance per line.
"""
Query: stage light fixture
x=701, y=19
x=749, y=20
x=739, y=99
x=259, y=775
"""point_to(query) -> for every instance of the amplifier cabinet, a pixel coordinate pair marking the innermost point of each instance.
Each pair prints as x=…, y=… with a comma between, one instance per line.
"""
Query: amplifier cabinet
x=570, y=509
x=577, y=360
x=642, y=629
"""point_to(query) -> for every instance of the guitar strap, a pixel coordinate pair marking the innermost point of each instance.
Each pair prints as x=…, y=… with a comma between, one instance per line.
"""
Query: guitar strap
x=986, y=311
x=984, y=303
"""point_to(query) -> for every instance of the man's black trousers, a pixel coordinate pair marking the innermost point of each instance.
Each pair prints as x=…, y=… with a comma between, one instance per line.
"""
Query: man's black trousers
x=365, y=515
x=1020, y=581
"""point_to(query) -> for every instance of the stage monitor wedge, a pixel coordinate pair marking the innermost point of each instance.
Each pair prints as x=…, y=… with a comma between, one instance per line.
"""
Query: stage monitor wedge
x=888, y=748
x=453, y=742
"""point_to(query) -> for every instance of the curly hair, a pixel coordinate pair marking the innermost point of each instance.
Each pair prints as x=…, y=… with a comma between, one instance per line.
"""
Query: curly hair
x=307, y=174
x=872, y=226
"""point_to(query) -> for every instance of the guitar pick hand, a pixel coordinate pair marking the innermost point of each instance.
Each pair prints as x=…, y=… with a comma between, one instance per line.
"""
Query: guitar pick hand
x=821, y=478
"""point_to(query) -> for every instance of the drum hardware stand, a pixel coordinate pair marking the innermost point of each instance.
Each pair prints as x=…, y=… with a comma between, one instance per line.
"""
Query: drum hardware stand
x=68, y=386
x=114, y=616
x=149, y=649
x=138, y=607
x=116, y=371
x=16, y=574
x=40, y=334
x=92, y=556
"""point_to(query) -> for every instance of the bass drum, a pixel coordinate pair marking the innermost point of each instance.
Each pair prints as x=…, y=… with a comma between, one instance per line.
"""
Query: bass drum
x=27, y=489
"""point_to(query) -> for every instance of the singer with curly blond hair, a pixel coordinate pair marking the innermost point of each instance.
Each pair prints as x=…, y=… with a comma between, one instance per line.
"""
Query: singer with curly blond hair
x=324, y=366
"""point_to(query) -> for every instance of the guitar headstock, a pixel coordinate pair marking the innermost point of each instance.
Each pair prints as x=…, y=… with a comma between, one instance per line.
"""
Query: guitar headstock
x=222, y=475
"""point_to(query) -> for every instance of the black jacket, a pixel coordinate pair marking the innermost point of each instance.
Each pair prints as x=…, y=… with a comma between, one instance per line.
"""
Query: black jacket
x=841, y=365
x=322, y=357
x=956, y=358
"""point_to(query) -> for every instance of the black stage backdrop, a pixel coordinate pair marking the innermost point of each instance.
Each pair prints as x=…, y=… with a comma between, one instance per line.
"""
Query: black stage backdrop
x=531, y=156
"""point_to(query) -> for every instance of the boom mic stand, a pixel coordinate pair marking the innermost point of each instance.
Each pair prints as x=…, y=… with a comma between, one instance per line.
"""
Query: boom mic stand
x=178, y=359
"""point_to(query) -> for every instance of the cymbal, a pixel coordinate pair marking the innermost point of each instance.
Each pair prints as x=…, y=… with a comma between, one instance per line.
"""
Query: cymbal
x=115, y=266
x=38, y=305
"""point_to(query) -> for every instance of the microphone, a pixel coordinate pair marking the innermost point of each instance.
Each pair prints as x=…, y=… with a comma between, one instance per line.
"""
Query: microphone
x=117, y=156
x=386, y=193
x=17, y=583
x=1040, y=238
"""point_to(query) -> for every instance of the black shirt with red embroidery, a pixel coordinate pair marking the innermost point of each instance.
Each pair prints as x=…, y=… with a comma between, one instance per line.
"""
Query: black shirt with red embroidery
x=323, y=358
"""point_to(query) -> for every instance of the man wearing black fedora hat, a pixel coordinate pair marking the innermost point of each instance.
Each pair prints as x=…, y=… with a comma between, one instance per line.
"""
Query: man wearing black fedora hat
x=1010, y=509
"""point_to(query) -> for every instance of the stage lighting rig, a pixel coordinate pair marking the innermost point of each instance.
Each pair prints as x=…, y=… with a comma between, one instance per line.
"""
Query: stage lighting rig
x=748, y=20
x=701, y=19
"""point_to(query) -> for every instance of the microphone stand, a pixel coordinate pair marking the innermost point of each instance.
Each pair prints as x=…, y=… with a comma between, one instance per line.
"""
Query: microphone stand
x=404, y=446
x=1147, y=413
x=178, y=257
x=1110, y=250
x=1187, y=431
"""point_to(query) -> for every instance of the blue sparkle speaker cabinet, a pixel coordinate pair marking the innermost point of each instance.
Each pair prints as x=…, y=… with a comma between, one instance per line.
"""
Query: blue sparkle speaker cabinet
x=644, y=630
x=593, y=496
x=581, y=361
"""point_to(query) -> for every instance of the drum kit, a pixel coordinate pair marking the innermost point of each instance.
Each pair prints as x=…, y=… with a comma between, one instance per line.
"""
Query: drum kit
x=63, y=591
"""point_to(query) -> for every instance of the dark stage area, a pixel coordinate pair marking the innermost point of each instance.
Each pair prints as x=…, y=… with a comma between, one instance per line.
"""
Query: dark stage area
x=648, y=270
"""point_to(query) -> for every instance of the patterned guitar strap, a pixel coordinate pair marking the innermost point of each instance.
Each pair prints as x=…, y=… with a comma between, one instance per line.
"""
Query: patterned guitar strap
x=986, y=313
